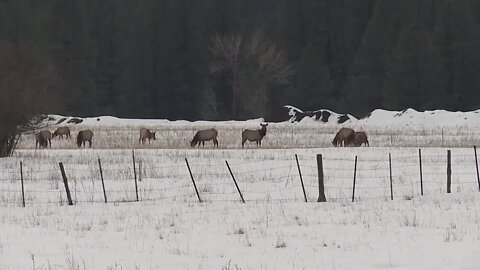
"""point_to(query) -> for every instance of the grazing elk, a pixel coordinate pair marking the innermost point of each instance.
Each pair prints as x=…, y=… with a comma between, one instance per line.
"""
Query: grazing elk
x=62, y=131
x=344, y=137
x=43, y=139
x=361, y=138
x=83, y=136
x=145, y=133
x=255, y=135
x=205, y=135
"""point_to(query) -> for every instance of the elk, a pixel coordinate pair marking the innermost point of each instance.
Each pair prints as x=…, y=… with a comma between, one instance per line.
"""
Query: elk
x=83, y=136
x=344, y=137
x=62, y=131
x=205, y=135
x=43, y=139
x=145, y=133
x=361, y=138
x=255, y=135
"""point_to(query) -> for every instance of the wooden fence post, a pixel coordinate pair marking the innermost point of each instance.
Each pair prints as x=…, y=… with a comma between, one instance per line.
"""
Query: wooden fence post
x=135, y=175
x=354, y=178
x=21, y=179
x=421, y=174
x=301, y=179
x=193, y=181
x=65, y=182
x=234, y=181
x=321, y=187
x=449, y=171
x=391, y=180
x=476, y=164
x=140, y=171
x=103, y=183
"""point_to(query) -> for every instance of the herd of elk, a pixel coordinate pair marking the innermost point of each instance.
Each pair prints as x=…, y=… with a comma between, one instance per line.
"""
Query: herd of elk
x=344, y=137
x=43, y=138
x=348, y=137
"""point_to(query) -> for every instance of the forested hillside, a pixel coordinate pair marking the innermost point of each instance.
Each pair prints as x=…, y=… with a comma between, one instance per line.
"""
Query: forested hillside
x=230, y=59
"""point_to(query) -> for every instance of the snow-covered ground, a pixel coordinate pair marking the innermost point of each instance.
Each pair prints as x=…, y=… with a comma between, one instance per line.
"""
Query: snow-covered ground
x=275, y=229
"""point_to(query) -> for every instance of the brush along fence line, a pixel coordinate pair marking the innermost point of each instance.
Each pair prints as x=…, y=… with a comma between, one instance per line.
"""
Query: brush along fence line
x=308, y=178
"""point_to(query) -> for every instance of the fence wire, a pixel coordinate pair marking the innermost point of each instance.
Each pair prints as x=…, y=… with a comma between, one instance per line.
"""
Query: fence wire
x=268, y=180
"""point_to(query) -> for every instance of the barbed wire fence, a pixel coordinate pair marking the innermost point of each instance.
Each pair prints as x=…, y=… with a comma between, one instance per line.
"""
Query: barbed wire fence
x=297, y=178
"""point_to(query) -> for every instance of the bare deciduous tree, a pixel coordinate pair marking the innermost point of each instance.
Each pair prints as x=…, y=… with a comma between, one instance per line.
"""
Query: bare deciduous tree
x=226, y=54
x=254, y=64
x=25, y=89
x=209, y=105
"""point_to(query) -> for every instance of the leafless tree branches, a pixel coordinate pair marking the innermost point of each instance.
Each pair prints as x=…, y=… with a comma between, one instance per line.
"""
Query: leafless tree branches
x=255, y=63
x=209, y=103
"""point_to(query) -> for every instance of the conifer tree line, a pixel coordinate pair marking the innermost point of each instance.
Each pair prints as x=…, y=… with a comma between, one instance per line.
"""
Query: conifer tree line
x=230, y=59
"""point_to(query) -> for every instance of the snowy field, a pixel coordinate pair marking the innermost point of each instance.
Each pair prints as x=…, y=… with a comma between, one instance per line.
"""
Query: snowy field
x=168, y=228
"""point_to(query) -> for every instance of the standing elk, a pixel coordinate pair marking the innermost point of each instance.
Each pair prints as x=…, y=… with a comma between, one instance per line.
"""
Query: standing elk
x=361, y=138
x=344, y=137
x=255, y=135
x=205, y=135
x=43, y=139
x=145, y=133
x=83, y=136
x=62, y=131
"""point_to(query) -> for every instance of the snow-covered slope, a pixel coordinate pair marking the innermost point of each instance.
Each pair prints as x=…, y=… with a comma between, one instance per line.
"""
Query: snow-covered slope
x=53, y=120
x=411, y=117
x=324, y=116
x=379, y=117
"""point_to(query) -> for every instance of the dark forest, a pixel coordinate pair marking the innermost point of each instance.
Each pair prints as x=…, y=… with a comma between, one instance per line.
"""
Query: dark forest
x=230, y=59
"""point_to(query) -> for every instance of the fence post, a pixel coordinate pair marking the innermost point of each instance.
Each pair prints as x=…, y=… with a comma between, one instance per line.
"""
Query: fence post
x=421, y=174
x=193, y=180
x=103, y=183
x=476, y=164
x=354, y=178
x=65, y=182
x=21, y=180
x=140, y=171
x=391, y=180
x=301, y=179
x=135, y=174
x=321, y=187
x=449, y=171
x=234, y=181
x=75, y=190
x=442, y=138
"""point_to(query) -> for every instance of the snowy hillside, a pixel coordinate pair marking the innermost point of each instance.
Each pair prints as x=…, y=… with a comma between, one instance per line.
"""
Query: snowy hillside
x=58, y=120
x=379, y=117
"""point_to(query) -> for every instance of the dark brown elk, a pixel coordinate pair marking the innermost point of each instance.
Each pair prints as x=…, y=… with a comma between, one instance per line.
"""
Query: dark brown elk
x=145, y=133
x=344, y=137
x=205, y=135
x=255, y=135
x=61, y=131
x=43, y=139
x=361, y=138
x=84, y=136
